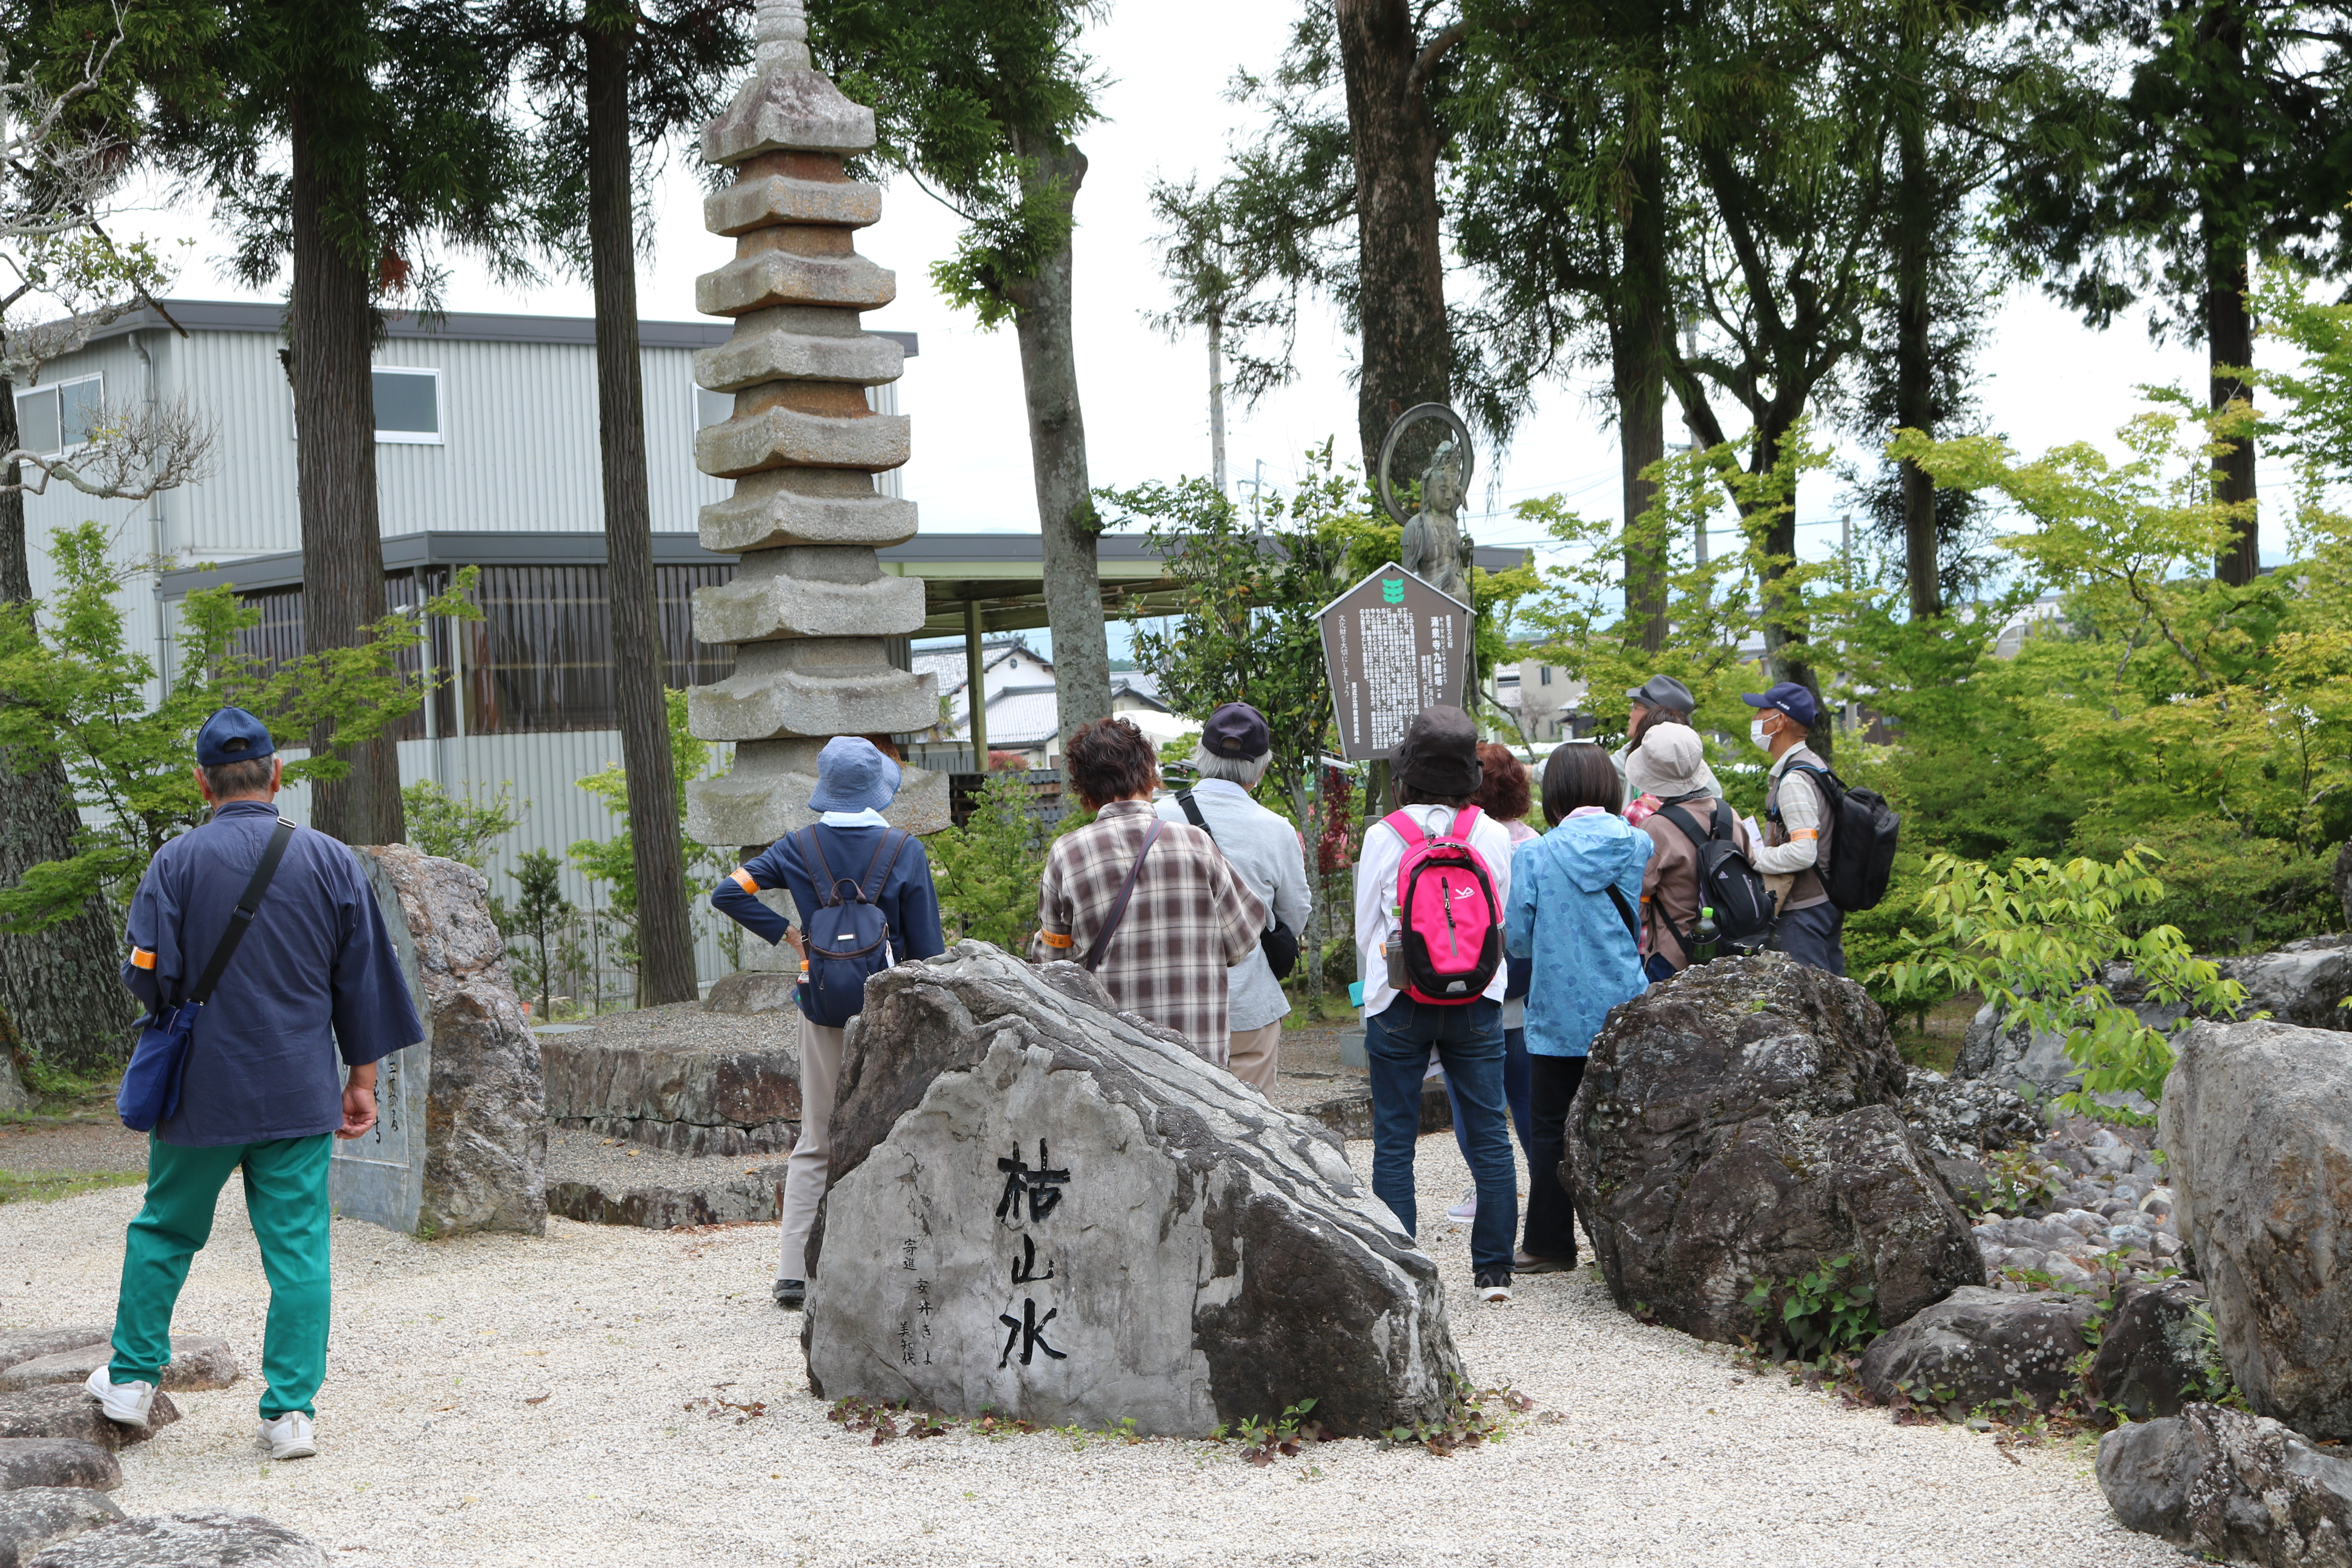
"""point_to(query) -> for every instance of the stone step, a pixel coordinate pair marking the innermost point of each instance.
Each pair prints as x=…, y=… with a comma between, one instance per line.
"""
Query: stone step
x=1350, y=1115
x=601, y=1182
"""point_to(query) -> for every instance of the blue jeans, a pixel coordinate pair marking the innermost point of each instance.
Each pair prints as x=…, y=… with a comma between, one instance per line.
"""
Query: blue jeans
x=1813, y=935
x=1469, y=1043
x=1518, y=1092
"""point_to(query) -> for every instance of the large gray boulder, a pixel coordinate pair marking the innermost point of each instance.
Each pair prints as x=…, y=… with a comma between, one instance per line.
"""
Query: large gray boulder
x=2257, y=1123
x=34, y=1518
x=1979, y=1345
x=2231, y=1485
x=2302, y=982
x=57, y=1462
x=1046, y=1208
x=1738, y=1125
x=2157, y=1351
x=27, y=1344
x=198, y=1362
x=484, y=1160
x=684, y=1095
x=211, y=1538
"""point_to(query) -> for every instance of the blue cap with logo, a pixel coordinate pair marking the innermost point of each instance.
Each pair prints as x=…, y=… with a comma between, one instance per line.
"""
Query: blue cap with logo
x=1790, y=699
x=233, y=736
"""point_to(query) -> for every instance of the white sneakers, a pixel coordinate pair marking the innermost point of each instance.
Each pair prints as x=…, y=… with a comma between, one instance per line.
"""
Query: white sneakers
x=290, y=1437
x=1467, y=1210
x=126, y=1403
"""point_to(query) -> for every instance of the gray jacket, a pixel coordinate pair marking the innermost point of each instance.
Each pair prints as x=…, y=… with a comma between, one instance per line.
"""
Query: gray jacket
x=1265, y=852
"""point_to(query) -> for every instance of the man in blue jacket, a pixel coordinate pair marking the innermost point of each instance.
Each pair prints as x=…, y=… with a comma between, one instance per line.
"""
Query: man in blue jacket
x=853, y=782
x=314, y=978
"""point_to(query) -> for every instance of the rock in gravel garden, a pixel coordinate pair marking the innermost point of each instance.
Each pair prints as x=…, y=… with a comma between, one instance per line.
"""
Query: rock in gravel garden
x=2157, y=1351
x=1977, y=1346
x=681, y=1096
x=2231, y=1485
x=34, y=1518
x=198, y=1361
x=32, y=1343
x=1737, y=1124
x=483, y=1126
x=205, y=1539
x=57, y=1462
x=66, y=1410
x=2257, y=1121
x=1042, y=1207
x=1957, y=1118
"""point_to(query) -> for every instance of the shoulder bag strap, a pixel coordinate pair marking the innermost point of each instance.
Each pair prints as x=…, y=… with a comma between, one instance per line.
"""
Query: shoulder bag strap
x=1463, y=821
x=827, y=895
x=1681, y=818
x=1119, y=908
x=895, y=840
x=1403, y=824
x=1193, y=814
x=1632, y=921
x=248, y=904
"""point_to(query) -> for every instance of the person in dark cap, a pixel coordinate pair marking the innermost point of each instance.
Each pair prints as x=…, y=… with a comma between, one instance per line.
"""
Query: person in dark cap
x=313, y=984
x=1267, y=854
x=1797, y=828
x=853, y=782
x=1661, y=699
x=1437, y=771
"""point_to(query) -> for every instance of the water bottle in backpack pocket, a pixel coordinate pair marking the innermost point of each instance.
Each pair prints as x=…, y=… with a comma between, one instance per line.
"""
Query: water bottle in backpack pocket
x=1735, y=909
x=847, y=937
x=1448, y=945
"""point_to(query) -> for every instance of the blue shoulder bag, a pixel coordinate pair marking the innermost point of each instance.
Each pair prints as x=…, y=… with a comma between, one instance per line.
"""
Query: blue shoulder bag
x=150, y=1084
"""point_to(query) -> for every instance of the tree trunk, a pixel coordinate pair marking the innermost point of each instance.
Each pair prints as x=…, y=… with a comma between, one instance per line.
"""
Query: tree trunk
x=665, y=943
x=1786, y=651
x=1639, y=350
x=59, y=988
x=1057, y=454
x=2228, y=326
x=1407, y=355
x=334, y=428
x=1914, y=224
x=1217, y=399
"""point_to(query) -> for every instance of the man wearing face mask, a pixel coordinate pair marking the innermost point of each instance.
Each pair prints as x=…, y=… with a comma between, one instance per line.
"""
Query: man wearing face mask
x=1796, y=830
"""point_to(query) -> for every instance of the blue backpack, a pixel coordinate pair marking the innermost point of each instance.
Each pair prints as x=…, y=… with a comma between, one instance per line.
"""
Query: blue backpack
x=848, y=939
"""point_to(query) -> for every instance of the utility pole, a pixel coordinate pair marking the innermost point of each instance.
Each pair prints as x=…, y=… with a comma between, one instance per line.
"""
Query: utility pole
x=1690, y=352
x=1217, y=397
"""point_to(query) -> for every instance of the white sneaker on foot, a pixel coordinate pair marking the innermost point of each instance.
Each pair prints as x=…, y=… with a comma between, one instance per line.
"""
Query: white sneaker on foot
x=126, y=1403
x=1467, y=1209
x=290, y=1437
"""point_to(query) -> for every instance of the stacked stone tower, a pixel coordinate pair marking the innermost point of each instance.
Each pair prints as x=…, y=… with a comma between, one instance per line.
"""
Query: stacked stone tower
x=810, y=608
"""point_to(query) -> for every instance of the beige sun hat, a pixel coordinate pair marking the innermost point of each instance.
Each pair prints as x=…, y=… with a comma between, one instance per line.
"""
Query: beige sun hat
x=1671, y=760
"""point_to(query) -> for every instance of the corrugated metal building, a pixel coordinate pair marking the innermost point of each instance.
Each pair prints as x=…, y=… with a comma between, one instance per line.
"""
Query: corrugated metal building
x=486, y=456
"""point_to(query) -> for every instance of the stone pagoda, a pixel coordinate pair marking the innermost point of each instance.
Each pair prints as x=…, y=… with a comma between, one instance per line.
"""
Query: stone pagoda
x=810, y=609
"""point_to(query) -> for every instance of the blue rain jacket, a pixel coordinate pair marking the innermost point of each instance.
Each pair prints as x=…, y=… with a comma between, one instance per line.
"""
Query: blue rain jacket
x=1560, y=914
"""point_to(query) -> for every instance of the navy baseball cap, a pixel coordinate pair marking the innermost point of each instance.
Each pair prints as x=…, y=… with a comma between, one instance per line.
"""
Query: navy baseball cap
x=1790, y=699
x=1238, y=730
x=233, y=736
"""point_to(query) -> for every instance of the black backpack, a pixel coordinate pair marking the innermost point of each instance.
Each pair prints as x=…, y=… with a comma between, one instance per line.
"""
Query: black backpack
x=848, y=939
x=1862, y=845
x=1727, y=884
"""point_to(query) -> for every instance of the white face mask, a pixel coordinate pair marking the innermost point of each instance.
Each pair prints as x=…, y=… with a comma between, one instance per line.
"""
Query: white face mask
x=1756, y=734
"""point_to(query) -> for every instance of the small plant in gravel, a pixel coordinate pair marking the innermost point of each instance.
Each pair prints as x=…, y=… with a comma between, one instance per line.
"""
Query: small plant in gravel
x=2021, y=1180
x=1264, y=1441
x=1467, y=1423
x=1825, y=1311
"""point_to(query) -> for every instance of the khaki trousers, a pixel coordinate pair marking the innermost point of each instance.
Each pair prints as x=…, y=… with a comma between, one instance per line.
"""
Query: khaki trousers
x=1255, y=1056
x=812, y=1157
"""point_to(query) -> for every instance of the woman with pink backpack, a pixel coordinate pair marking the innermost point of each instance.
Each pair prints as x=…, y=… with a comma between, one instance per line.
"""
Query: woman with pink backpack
x=1432, y=885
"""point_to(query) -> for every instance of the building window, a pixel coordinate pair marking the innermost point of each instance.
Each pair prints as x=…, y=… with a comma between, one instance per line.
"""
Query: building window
x=408, y=406
x=1543, y=674
x=713, y=407
x=51, y=420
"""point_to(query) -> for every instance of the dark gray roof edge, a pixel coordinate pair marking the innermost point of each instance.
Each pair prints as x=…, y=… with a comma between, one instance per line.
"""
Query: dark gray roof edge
x=579, y=548
x=463, y=326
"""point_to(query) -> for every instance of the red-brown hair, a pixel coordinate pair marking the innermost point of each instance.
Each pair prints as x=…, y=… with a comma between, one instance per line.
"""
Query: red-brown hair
x=1110, y=759
x=1505, y=795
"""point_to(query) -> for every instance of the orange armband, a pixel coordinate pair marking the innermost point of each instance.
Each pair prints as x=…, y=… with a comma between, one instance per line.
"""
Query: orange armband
x=742, y=879
x=1055, y=938
x=141, y=958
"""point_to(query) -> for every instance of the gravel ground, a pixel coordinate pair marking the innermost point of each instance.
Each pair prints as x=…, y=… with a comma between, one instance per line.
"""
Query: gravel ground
x=100, y=1143
x=435, y=1453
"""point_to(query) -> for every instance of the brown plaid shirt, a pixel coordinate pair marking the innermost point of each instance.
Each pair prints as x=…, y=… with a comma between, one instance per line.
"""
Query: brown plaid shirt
x=1189, y=920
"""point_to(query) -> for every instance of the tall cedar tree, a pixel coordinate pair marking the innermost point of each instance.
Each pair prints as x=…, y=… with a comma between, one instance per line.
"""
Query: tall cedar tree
x=612, y=83
x=58, y=985
x=2227, y=138
x=1561, y=202
x=393, y=111
x=981, y=101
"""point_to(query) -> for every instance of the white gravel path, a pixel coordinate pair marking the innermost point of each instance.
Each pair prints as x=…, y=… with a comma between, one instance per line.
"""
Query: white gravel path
x=433, y=1453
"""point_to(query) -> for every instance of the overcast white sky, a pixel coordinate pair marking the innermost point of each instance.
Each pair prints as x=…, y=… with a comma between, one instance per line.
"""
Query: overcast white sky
x=2046, y=379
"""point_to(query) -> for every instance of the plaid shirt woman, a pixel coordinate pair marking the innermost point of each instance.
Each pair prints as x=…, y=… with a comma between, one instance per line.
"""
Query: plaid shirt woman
x=1190, y=917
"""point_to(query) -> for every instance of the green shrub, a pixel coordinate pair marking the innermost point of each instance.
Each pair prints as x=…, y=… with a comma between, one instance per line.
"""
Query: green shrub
x=2223, y=893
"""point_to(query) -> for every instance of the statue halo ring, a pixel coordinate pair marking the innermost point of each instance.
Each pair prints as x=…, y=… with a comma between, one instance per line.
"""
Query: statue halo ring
x=1414, y=415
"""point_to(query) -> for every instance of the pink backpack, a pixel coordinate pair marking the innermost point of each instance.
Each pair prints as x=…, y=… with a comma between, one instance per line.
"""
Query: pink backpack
x=1449, y=940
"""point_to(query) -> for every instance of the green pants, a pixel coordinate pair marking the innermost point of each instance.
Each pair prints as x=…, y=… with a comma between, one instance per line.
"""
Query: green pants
x=286, y=1196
